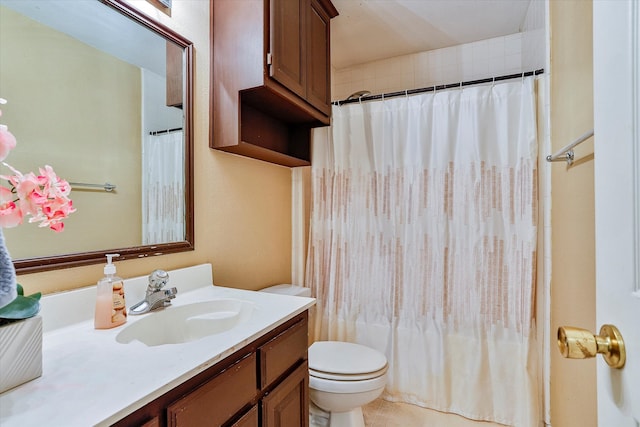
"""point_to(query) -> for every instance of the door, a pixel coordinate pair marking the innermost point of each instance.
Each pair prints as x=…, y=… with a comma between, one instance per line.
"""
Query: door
x=617, y=195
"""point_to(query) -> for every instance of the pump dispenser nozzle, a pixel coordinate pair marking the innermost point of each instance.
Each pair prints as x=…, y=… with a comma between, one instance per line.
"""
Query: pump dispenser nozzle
x=109, y=268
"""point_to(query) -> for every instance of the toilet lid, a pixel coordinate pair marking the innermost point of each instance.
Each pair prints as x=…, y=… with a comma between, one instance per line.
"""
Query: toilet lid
x=345, y=358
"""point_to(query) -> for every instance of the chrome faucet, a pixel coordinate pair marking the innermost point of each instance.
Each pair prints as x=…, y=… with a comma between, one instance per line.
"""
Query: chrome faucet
x=156, y=296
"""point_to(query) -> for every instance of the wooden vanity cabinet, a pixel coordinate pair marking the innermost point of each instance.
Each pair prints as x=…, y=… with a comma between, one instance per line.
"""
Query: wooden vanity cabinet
x=266, y=383
x=271, y=77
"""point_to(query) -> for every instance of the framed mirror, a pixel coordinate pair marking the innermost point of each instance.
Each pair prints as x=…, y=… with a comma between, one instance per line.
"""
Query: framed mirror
x=103, y=94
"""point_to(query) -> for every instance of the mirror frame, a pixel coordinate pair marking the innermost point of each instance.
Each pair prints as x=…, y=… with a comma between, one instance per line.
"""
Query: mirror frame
x=38, y=264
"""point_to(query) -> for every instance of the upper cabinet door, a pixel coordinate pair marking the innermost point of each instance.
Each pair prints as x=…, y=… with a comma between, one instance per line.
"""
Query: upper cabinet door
x=318, y=55
x=288, y=22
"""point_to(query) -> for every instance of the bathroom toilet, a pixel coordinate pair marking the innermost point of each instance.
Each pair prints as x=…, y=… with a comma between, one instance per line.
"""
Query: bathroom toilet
x=342, y=376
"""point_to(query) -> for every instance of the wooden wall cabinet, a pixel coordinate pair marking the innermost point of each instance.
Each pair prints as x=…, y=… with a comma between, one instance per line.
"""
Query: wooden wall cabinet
x=266, y=384
x=271, y=77
x=175, y=70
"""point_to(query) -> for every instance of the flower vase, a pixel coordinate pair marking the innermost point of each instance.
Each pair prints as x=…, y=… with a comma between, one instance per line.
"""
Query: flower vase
x=20, y=340
x=20, y=352
x=8, y=286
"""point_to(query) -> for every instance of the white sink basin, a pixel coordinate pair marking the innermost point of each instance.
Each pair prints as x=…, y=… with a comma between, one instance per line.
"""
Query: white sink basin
x=181, y=324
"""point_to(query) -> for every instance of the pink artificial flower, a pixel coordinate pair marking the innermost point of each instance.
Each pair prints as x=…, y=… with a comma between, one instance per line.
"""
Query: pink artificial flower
x=7, y=142
x=57, y=227
x=53, y=185
x=27, y=188
x=44, y=197
x=10, y=214
x=54, y=211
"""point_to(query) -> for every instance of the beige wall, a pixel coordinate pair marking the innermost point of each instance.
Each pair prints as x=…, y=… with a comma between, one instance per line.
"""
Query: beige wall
x=44, y=75
x=242, y=206
x=494, y=57
x=573, y=387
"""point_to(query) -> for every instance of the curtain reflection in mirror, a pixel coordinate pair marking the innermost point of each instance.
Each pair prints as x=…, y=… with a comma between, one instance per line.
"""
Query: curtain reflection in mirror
x=163, y=210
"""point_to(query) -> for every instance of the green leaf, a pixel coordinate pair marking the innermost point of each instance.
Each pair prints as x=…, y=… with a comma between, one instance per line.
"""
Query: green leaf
x=20, y=290
x=35, y=296
x=20, y=308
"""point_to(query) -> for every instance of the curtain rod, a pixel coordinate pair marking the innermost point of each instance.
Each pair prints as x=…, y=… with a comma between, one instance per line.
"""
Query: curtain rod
x=438, y=87
x=159, y=132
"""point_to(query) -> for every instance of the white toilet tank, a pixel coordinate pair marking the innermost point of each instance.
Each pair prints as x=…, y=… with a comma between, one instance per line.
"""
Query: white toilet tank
x=287, y=289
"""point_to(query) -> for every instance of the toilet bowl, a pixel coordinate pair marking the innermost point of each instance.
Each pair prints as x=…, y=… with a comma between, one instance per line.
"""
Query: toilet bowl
x=343, y=376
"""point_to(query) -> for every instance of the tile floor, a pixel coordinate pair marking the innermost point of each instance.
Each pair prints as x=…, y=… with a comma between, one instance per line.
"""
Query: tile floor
x=381, y=413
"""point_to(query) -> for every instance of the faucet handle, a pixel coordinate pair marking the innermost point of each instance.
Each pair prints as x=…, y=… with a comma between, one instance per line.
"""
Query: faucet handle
x=158, y=279
x=168, y=294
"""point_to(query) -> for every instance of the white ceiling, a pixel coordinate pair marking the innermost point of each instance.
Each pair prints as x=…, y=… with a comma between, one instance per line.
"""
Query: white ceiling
x=100, y=26
x=364, y=30
x=368, y=30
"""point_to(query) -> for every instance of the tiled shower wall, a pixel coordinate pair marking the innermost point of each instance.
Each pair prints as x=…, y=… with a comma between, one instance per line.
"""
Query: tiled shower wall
x=515, y=53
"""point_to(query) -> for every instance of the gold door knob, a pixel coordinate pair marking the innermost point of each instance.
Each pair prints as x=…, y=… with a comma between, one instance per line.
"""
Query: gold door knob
x=576, y=343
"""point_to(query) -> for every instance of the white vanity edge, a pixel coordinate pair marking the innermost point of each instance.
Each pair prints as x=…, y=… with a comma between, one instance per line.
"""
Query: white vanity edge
x=90, y=379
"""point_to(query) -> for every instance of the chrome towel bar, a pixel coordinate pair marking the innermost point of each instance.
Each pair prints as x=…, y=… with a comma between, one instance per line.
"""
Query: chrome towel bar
x=566, y=154
x=106, y=186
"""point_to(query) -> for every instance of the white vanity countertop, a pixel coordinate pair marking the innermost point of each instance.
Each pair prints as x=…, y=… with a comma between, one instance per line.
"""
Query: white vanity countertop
x=90, y=379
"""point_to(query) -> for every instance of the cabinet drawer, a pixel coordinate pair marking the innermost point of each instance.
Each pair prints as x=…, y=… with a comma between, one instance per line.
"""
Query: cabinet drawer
x=283, y=352
x=219, y=399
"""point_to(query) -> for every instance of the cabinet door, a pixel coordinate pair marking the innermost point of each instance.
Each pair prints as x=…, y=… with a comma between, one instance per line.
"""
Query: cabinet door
x=250, y=419
x=318, y=65
x=288, y=404
x=154, y=422
x=218, y=400
x=287, y=25
x=175, y=67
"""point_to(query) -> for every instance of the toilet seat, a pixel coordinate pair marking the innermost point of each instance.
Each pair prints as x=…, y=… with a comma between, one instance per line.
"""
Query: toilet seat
x=347, y=387
x=347, y=377
x=344, y=361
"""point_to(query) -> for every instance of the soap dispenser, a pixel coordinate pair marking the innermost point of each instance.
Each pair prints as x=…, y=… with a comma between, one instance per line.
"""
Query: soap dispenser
x=111, y=309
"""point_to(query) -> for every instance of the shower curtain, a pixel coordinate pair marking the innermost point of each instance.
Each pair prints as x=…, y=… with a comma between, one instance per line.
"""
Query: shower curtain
x=423, y=245
x=163, y=211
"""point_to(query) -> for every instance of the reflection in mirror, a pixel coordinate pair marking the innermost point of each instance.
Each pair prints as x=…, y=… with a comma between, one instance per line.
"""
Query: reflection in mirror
x=103, y=95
